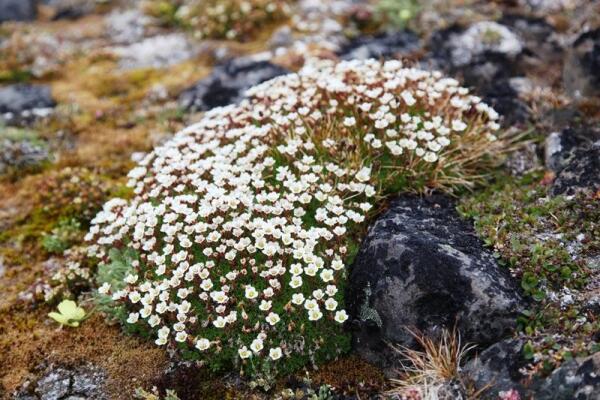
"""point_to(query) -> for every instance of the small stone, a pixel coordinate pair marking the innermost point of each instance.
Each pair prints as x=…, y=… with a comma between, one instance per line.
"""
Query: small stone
x=581, y=173
x=228, y=82
x=17, y=10
x=55, y=385
x=388, y=45
x=20, y=102
x=156, y=52
x=126, y=26
x=484, y=37
x=581, y=73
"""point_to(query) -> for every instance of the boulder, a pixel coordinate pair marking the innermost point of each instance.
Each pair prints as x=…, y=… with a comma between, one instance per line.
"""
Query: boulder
x=17, y=10
x=422, y=267
x=228, y=83
x=24, y=102
x=387, y=45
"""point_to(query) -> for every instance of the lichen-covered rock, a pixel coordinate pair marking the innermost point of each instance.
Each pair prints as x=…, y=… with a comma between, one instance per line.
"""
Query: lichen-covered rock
x=481, y=38
x=577, y=379
x=387, y=45
x=497, y=370
x=228, y=82
x=58, y=383
x=126, y=26
x=423, y=267
x=17, y=10
x=20, y=150
x=481, y=54
x=499, y=366
x=581, y=73
x=23, y=102
x=156, y=52
x=560, y=145
x=582, y=171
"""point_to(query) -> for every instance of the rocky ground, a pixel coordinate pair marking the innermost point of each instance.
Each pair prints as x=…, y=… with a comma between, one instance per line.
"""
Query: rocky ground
x=513, y=263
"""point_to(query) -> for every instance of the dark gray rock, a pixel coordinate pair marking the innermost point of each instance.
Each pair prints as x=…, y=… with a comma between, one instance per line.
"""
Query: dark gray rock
x=497, y=366
x=17, y=10
x=497, y=369
x=581, y=73
x=481, y=54
x=573, y=154
x=422, y=266
x=502, y=96
x=70, y=9
x=227, y=83
x=58, y=383
x=559, y=146
x=24, y=102
x=581, y=173
x=387, y=45
x=577, y=379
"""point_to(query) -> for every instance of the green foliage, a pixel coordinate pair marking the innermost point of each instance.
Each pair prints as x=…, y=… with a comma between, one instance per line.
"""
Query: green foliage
x=113, y=275
x=67, y=232
x=398, y=13
x=546, y=242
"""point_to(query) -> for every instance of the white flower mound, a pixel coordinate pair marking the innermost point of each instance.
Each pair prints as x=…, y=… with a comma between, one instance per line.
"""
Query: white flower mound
x=241, y=221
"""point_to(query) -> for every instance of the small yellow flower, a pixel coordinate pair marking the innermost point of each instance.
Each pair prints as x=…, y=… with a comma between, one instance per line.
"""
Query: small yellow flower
x=68, y=314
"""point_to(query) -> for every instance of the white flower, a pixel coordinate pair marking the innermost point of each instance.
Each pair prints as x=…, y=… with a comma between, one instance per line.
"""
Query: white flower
x=331, y=304
x=458, y=125
x=331, y=290
x=273, y=318
x=251, y=292
x=341, y=316
x=311, y=305
x=181, y=336
x=133, y=318
x=337, y=264
x=326, y=275
x=349, y=121
x=296, y=282
x=257, y=345
x=315, y=315
x=430, y=157
x=219, y=322
x=275, y=353
x=202, y=344
x=297, y=298
x=364, y=174
x=265, y=305
x=408, y=98
x=244, y=353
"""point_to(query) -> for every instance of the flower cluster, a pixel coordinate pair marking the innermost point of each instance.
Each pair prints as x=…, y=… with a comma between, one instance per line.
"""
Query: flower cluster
x=242, y=225
x=220, y=19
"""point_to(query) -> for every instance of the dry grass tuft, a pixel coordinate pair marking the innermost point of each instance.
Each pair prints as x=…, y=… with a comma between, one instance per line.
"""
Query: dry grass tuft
x=425, y=372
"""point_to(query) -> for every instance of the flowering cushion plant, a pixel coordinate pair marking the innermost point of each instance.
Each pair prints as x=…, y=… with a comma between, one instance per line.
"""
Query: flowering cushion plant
x=235, y=245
